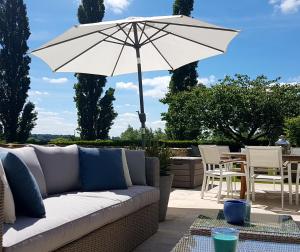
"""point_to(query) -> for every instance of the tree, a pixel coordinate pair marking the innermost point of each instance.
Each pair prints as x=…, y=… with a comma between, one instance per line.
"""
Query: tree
x=106, y=115
x=17, y=116
x=94, y=119
x=184, y=77
x=130, y=134
x=292, y=130
x=135, y=134
x=238, y=108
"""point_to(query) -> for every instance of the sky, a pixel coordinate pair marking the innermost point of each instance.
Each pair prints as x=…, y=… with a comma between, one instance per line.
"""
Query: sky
x=267, y=44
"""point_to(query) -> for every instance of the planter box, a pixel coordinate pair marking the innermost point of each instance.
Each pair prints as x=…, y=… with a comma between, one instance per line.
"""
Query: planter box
x=188, y=171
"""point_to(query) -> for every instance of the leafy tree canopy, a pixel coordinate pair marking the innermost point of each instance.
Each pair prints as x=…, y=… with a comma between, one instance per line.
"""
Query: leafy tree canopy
x=134, y=134
x=238, y=108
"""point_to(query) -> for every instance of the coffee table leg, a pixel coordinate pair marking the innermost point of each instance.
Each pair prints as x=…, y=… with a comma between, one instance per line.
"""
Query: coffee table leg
x=243, y=183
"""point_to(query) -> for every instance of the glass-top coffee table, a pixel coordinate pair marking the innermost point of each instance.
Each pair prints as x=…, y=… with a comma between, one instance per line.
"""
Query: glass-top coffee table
x=264, y=233
x=262, y=227
x=199, y=243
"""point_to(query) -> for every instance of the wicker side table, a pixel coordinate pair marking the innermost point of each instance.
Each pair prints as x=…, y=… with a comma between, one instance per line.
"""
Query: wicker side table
x=188, y=171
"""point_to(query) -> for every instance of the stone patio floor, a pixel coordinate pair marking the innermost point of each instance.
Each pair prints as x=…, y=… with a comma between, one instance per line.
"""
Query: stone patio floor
x=184, y=207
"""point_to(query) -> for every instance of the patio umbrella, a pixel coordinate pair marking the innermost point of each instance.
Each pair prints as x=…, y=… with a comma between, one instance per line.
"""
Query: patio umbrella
x=135, y=44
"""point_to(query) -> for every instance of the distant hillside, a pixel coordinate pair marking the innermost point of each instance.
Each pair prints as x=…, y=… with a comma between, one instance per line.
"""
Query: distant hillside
x=45, y=138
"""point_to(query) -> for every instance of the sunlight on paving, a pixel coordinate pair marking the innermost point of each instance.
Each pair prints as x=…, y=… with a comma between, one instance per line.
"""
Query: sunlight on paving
x=185, y=205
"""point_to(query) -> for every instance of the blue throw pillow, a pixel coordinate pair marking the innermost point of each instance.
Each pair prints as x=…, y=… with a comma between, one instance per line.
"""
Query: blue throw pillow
x=101, y=169
x=27, y=196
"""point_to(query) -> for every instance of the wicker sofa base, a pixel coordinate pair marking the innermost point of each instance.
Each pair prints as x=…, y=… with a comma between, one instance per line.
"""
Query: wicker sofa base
x=120, y=236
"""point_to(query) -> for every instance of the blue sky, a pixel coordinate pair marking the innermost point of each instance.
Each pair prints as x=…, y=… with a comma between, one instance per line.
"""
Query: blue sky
x=268, y=44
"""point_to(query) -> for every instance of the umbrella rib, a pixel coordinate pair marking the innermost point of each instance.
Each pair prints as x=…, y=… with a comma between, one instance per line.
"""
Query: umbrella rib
x=153, y=35
x=142, y=33
x=161, y=36
x=127, y=36
x=126, y=33
x=191, y=40
x=86, y=50
x=115, y=38
x=194, y=26
x=68, y=40
x=160, y=53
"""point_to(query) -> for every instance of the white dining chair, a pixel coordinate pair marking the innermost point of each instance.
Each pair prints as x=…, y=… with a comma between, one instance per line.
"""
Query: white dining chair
x=211, y=158
x=296, y=151
x=267, y=157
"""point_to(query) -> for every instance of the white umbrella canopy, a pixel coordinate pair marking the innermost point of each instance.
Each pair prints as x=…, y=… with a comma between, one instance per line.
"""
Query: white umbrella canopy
x=109, y=48
x=135, y=44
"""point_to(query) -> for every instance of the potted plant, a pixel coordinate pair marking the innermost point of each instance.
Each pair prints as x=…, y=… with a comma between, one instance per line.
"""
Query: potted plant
x=166, y=178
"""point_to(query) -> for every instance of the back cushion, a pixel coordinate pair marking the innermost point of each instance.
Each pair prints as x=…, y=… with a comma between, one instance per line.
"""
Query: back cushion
x=26, y=193
x=136, y=166
x=28, y=156
x=60, y=166
x=101, y=169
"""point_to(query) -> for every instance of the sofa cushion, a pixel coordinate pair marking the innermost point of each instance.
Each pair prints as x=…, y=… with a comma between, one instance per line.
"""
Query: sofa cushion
x=101, y=169
x=27, y=197
x=9, y=205
x=60, y=166
x=28, y=156
x=71, y=216
x=136, y=166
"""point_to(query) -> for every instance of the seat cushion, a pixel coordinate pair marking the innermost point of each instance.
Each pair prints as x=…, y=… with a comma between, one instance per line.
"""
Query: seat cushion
x=136, y=166
x=27, y=197
x=101, y=169
x=71, y=216
x=28, y=156
x=60, y=166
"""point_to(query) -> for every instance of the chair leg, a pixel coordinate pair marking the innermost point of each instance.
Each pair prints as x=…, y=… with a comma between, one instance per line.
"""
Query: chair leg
x=297, y=184
x=248, y=187
x=203, y=185
x=253, y=189
x=220, y=189
x=207, y=183
x=282, y=194
x=228, y=186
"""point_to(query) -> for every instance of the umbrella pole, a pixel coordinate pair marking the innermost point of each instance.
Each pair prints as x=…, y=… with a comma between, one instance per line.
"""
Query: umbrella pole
x=142, y=115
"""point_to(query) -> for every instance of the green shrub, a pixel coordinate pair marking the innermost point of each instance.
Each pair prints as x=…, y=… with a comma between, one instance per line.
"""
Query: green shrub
x=292, y=130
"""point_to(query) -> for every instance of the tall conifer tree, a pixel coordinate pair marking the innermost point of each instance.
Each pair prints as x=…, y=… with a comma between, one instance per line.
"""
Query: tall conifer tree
x=95, y=114
x=182, y=79
x=17, y=116
x=185, y=77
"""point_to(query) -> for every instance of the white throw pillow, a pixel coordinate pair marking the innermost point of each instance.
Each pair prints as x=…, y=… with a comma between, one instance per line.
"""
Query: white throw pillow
x=9, y=204
x=125, y=168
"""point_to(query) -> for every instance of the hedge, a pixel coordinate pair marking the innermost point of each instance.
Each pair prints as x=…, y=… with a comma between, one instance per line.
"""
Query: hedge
x=137, y=143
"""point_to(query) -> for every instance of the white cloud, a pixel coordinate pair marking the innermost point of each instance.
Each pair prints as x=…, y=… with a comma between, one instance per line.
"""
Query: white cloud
x=157, y=124
x=126, y=85
x=286, y=6
x=208, y=81
x=55, y=80
x=294, y=79
x=155, y=87
x=158, y=86
x=117, y=6
x=51, y=122
x=33, y=93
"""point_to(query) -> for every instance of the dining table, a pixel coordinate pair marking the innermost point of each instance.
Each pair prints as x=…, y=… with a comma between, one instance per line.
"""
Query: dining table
x=291, y=158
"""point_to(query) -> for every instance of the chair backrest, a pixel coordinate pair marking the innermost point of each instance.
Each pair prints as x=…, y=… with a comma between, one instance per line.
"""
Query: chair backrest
x=264, y=156
x=295, y=151
x=223, y=149
x=210, y=154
